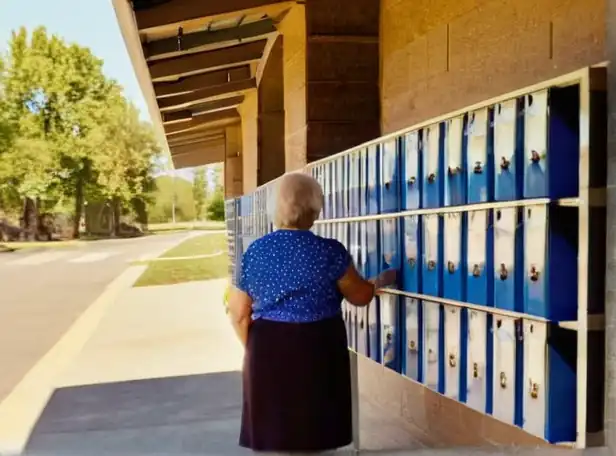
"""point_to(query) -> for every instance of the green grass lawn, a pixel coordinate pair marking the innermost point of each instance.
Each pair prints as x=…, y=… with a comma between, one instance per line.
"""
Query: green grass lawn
x=179, y=271
x=160, y=228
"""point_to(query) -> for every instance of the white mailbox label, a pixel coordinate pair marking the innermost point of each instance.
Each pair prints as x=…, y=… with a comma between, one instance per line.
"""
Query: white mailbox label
x=454, y=142
x=476, y=373
x=535, y=337
x=452, y=352
x=504, y=132
x=431, y=238
x=504, y=237
x=535, y=248
x=412, y=155
x=504, y=369
x=453, y=241
x=431, y=326
x=431, y=149
x=477, y=233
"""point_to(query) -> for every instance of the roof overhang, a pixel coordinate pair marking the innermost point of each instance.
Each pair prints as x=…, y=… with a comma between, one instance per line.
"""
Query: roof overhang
x=195, y=61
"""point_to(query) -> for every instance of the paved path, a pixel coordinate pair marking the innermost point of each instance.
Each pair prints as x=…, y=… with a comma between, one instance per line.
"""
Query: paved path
x=43, y=291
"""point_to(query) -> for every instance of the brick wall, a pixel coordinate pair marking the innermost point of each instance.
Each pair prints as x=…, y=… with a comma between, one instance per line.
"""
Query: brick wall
x=441, y=55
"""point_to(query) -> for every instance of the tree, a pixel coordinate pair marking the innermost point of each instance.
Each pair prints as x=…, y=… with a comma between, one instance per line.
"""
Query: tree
x=199, y=192
x=216, y=206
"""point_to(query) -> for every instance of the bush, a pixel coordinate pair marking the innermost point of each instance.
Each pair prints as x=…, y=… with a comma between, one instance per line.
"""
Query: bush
x=216, y=207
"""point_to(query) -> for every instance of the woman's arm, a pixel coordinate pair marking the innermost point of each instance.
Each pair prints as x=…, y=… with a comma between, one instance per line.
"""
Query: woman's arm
x=359, y=291
x=240, y=312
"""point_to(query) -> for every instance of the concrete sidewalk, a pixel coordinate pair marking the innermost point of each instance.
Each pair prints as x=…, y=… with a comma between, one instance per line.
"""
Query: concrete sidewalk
x=160, y=374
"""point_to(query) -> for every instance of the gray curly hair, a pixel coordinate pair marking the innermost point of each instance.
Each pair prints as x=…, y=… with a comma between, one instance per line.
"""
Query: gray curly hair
x=298, y=201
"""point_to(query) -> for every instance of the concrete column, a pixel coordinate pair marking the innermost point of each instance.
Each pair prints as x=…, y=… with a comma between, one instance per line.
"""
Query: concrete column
x=233, y=162
x=610, y=273
x=271, y=116
x=250, y=146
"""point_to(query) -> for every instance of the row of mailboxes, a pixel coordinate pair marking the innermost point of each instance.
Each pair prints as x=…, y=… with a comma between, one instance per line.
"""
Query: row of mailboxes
x=516, y=258
x=499, y=365
x=521, y=148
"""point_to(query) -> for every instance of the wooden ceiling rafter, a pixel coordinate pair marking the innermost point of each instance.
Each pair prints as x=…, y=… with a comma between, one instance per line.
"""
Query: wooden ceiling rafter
x=202, y=108
x=201, y=121
x=185, y=101
x=177, y=67
x=201, y=81
x=185, y=44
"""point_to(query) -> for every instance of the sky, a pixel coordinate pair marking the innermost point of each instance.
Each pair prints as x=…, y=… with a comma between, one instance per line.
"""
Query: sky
x=90, y=23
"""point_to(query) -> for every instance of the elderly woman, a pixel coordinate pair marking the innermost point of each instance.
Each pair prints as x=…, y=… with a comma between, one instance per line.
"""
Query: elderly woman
x=287, y=313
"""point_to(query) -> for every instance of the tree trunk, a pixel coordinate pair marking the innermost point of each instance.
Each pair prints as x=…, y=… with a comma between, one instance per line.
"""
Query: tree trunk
x=116, y=210
x=30, y=219
x=78, y=208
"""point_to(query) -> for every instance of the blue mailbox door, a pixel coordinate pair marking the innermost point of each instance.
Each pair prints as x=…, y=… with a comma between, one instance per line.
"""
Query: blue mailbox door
x=505, y=130
x=389, y=331
x=535, y=261
x=504, y=365
x=477, y=156
x=390, y=243
x=476, y=377
x=390, y=177
x=431, y=161
x=410, y=270
x=536, y=145
x=455, y=182
x=354, y=183
x=373, y=180
x=431, y=320
x=452, y=275
x=412, y=338
x=477, y=278
x=452, y=352
x=411, y=174
x=535, y=384
x=430, y=266
x=505, y=226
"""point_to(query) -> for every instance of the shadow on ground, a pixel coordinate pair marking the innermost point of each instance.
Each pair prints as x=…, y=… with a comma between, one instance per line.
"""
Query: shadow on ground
x=196, y=414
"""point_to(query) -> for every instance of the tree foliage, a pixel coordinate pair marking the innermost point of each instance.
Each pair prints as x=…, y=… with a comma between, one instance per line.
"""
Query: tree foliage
x=199, y=192
x=66, y=131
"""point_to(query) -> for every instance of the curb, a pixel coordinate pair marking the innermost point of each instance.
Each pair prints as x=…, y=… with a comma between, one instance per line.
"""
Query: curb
x=21, y=409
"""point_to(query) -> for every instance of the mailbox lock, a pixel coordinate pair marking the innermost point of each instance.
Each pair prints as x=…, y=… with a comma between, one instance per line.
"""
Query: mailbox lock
x=476, y=270
x=503, y=272
x=451, y=267
x=412, y=262
x=452, y=360
x=504, y=164
x=503, y=380
x=431, y=265
x=534, y=390
x=412, y=180
x=431, y=178
x=361, y=324
x=387, y=185
x=454, y=170
x=534, y=273
x=478, y=168
x=412, y=345
x=534, y=156
x=475, y=370
x=388, y=336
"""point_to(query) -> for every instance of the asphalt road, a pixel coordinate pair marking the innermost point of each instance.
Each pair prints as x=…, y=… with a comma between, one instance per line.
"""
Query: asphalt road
x=43, y=291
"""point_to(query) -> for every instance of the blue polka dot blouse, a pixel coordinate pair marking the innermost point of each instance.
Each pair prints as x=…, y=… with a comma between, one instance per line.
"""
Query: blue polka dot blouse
x=291, y=276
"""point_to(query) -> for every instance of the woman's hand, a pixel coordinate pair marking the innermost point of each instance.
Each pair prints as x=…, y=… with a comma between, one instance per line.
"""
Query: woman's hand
x=240, y=311
x=386, y=278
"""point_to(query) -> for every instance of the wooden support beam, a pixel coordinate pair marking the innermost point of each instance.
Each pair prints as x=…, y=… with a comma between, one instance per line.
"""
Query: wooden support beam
x=191, y=42
x=201, y=121
x=191, y=156
x=187, y=100
x=202, y=108
x=202, y=81
x=195, y=136
x=177, y=11
x=177, y=67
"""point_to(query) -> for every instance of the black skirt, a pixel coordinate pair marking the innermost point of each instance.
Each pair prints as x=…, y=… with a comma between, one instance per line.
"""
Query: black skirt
x=297, y=387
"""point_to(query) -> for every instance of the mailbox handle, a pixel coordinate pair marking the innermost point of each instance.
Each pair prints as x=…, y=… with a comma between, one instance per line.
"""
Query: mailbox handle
x=452, y=360
x=412, y=180
x=412, y=262
x=451, y=267
x=476, y=270
x=453, y=170
x=534, y=389
x=387, y=185
x=534, y=156
x=534, y=273
x=503, y=380
x=475, y=370
x=478, y=168
x=431, y=265
x=361, y=324
x=431, y=178
x=504, y=164
x=503, y=272
x=412, y=345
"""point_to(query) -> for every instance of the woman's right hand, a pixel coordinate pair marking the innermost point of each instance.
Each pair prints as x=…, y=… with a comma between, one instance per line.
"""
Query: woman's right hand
x=386, y=278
